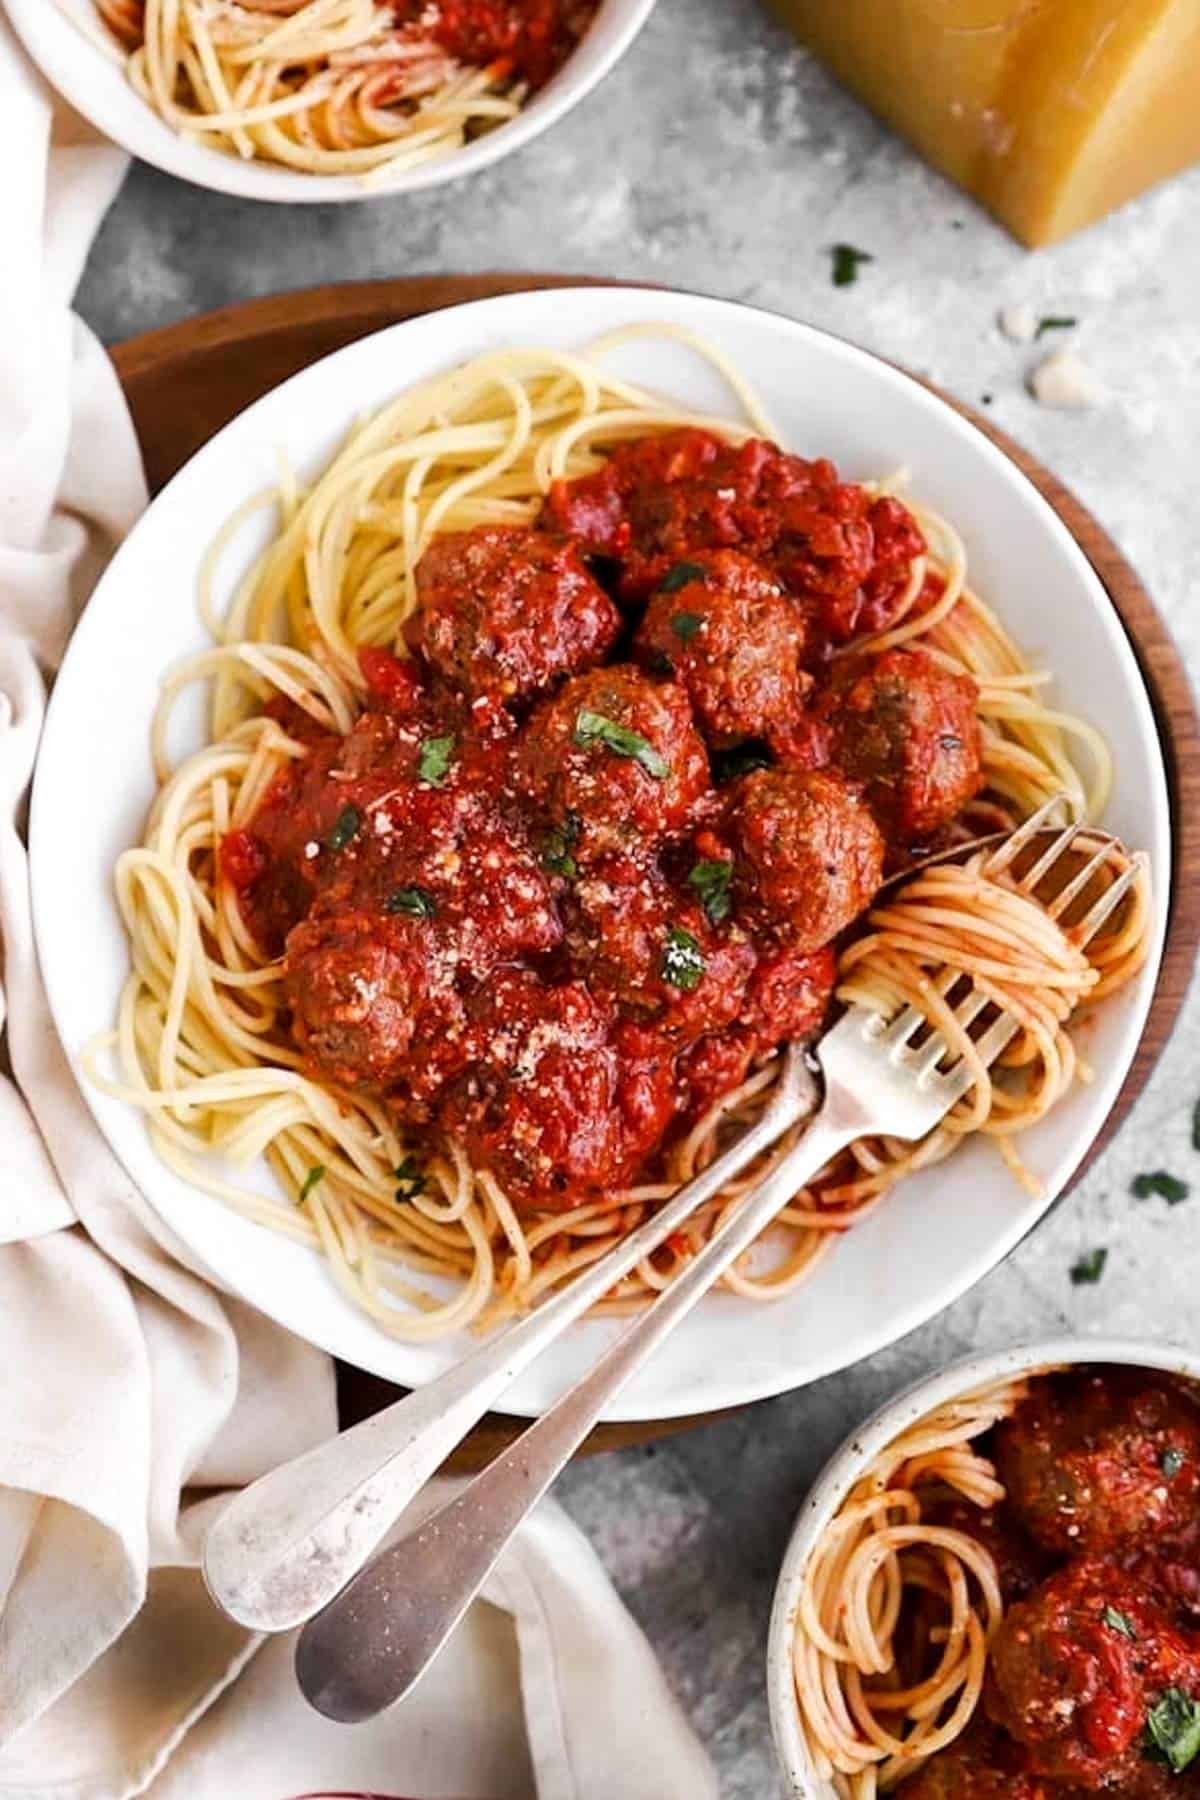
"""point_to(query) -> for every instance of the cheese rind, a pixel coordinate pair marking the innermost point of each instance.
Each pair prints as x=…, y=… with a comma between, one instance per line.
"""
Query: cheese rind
x=1051, y=112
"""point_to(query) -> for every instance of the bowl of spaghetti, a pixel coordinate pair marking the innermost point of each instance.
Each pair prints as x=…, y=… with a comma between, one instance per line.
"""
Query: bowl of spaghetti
x=511, y=761
x=991, y=1589
x=325, y=100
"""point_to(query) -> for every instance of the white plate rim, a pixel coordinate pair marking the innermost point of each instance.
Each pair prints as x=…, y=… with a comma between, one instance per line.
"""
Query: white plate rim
x=886, y=1423
x=50, y=39
x=720, y=1390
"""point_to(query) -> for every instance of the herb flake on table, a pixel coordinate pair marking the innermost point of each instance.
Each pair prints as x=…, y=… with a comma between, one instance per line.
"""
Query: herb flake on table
x=1055, y=322
x=1089, y=1268
x=594, y=728
x=1159, y=1181
x=1196, y=1126
x=846, y=262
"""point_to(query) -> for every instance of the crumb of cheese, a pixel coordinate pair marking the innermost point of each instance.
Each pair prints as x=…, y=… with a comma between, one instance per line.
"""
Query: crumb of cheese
x=1019, y=323
x=1063, y=380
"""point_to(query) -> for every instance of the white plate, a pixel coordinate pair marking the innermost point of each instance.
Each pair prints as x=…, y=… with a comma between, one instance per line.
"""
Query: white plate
x=938, y=1233
x=861, y=1447
x=61, y=37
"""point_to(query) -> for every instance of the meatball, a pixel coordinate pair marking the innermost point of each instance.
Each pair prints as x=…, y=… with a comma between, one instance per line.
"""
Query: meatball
x=735, y=641
x=786, y=997
x=373, y=1004
x=613, y=762
x=640, y=940
x=1076, y=1668
x=658, y=500
x=788, y=994
x=558, y=1103
x=506, y=611
x=808, y=856
x=1097, y=1460
x=909, y=730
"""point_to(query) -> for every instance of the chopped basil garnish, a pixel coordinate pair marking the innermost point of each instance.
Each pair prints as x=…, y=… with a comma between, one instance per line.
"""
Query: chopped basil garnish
x=436, y=756
x=727, y=765
x=410, y=1181
x=345, y=827
x=846, y=260
x=683, y=962
x=711, y=881
x=412, y=902
x=1055, y=322
x=1171, y=1461
x=679, y=576
x=685, y=625
x=315, y=1174
x=558, y=846
x=594, y=728
x=1119, y=1621
x=1173, y=1729
x=1089, y=1268
x=659, y=663
x=1158, y=1181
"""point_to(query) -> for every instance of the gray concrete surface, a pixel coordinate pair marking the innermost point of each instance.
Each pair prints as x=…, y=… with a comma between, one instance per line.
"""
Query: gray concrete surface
x=719, y=157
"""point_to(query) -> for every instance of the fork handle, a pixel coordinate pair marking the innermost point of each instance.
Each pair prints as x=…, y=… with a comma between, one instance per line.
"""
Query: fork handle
x=370, y=1645
x=287, y=1544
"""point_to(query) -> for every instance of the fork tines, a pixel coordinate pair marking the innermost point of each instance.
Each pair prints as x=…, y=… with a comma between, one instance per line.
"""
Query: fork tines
x=1097, y=849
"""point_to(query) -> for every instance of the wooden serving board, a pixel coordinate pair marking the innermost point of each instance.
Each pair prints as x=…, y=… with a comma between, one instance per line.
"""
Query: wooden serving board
x=186, y=381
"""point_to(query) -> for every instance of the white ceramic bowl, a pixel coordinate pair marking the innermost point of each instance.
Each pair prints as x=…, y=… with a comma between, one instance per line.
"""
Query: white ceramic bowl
x=939, y=1232
x=846, y=1465
x=68, y=55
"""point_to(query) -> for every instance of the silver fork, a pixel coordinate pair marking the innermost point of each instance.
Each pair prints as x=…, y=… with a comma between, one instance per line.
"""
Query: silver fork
x=369, y=1646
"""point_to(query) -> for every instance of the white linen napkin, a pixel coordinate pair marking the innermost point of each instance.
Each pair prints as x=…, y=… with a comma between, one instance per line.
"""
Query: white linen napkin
x=132, y=1395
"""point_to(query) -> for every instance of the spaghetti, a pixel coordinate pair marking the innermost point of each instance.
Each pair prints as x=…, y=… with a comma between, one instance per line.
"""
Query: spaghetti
x=867, y=1723
x=422, y=1237
x=341, y=87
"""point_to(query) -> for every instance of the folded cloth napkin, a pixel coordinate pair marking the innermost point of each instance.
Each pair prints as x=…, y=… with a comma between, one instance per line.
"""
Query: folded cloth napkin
x=132, y=1395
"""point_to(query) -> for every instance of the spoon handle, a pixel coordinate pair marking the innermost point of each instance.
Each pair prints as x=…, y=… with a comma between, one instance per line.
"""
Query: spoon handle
x=288, y=1543
x=372, y=1643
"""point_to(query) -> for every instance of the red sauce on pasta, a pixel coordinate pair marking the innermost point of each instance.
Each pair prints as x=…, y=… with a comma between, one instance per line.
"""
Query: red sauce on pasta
x=581, y=862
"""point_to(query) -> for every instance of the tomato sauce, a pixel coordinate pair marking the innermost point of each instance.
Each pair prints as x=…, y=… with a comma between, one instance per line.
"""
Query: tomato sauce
x=1093, y=1683
x=529, y=900
x=531, y=38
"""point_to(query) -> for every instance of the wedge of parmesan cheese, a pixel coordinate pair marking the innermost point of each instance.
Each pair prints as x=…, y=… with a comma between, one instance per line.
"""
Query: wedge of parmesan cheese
x=1051, y=112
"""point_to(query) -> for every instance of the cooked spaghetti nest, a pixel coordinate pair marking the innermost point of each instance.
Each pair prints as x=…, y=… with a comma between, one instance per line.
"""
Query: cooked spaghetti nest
x=202, y=1039
x=873, y=1707
x=326, y=87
